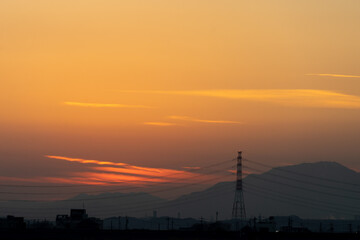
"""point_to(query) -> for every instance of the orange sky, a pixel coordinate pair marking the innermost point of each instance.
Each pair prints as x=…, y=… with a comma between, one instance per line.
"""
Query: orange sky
x=174, y=84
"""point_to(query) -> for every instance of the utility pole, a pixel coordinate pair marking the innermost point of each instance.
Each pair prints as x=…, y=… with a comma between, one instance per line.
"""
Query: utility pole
x=126, y=223
x=238, y=211
x=254, y=224
x=202, y=223
x=320, y=228
x=290, y=224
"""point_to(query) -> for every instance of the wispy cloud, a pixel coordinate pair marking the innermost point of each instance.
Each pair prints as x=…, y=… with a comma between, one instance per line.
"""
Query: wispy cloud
x=332, y=75
x=118, y=178
x=191, y=119
x=157, y=176
x=80, y=160
x=105, y=172
x=289, y=97
x=77, y=178
x=104, y=105
x=160, y=124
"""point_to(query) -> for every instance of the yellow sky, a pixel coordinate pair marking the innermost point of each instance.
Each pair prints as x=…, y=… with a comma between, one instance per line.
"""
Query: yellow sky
x=179, y=81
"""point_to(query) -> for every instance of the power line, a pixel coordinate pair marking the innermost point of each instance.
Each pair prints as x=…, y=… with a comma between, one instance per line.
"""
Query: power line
x=302, y=188
x=109, y=182
x=301, y=174
x=180, y=203
x=116, y=197
x=311, y=201
x=270, y=193
x=112, y=190
x=150, y=192
x=310, y=183
x=147, y=207
x=294, y=202
x=299, y=202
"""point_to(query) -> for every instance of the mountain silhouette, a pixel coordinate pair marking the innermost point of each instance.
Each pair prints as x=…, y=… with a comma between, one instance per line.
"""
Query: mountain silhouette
x=309, y=190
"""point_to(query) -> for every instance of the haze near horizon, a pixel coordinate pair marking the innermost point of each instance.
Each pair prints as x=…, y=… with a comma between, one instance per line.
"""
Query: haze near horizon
x=150, y=93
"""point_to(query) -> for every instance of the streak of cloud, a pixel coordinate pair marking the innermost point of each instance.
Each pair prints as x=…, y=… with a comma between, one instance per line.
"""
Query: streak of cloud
x=104, y=105
x=115, y=173
x=77, y=180
x=190, y=119
x=73, y=178
x=80, y=160
x=118, y=178
x=289, y=97
x=160, y=124
x=162, y=173
x=333, y=75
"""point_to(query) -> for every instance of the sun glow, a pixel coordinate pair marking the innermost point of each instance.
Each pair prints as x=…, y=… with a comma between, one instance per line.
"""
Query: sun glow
x=116, y=173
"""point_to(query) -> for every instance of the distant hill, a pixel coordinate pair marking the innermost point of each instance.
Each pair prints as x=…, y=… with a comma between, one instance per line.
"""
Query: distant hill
x=100, y=205
x=309, y=190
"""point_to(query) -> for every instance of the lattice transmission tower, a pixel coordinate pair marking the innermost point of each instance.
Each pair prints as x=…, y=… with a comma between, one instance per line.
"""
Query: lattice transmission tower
x=238, y=211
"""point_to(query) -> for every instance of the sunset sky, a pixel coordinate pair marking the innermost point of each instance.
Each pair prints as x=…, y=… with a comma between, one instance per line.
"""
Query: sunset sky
x=145, y=91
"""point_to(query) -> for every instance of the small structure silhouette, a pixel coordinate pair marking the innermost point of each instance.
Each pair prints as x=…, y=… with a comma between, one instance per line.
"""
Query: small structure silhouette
x=78, y=219
x=11, y=222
